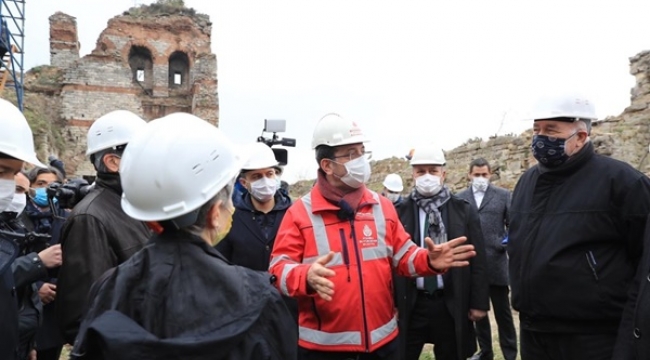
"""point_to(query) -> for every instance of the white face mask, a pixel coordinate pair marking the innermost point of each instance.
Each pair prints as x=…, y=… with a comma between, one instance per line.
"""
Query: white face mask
x=480, y=183
x=278, y=182
x=358, y=172
x=7, y=192
x=392, y=197
x=428, y=185
x=264, y=189
x=18, y=204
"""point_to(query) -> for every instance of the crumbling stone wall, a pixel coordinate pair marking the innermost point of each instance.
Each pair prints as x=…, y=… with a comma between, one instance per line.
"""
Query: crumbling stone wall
x=64, y=44
x=625, y=137
x=148, y=60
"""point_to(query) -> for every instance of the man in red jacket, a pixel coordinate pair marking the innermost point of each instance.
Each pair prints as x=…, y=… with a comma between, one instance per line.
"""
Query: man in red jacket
x=335, y=250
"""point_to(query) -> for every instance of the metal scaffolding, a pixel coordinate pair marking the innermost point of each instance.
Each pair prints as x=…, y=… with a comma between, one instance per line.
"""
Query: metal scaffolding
x=12, y=45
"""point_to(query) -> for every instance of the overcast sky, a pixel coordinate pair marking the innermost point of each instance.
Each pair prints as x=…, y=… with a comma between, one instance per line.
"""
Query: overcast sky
x=407, y=71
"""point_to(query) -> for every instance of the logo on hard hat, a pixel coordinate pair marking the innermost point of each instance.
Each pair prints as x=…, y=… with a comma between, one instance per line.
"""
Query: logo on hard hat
x=355, y=131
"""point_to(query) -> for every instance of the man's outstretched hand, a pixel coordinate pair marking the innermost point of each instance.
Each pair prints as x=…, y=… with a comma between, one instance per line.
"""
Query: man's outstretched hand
x=449, y=254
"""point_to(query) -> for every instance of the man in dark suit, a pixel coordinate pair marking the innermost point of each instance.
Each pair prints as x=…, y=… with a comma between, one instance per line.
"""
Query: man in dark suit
x=440, y=309
x=493, y=203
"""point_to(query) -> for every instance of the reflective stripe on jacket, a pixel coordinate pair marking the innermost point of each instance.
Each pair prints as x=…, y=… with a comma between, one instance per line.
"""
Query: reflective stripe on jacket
x=361, y=316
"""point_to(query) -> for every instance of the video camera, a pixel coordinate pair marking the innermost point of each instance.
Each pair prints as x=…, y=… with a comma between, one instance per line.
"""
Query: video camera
x=30, y=242
x=68, y=194
x=277, y=126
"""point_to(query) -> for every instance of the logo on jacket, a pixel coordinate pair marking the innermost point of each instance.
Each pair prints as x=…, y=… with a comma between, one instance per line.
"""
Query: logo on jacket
x=367, y=232
x=368, y=240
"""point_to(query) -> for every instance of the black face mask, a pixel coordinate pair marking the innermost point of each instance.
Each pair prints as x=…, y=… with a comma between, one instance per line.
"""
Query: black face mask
x=549, y=150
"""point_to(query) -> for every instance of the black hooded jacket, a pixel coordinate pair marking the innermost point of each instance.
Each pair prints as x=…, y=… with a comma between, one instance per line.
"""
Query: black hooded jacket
x=179, y=298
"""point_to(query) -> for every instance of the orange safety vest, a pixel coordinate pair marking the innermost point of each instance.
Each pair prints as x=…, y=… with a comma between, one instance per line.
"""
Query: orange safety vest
x=361, y=316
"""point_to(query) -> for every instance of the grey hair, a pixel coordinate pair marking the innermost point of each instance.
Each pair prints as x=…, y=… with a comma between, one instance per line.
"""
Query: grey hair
x=587, y=124
x=224, y=195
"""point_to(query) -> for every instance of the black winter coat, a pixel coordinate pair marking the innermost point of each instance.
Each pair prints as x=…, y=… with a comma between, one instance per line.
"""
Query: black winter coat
x=179, y=298
x=8, y=302
x=574, y=243
x=48, y=335
x=97, y=236
x=633, y=341
x=18, y=278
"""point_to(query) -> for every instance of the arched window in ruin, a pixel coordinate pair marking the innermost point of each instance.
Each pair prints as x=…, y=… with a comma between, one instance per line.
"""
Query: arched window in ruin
x=179, y=70
x=141, y=63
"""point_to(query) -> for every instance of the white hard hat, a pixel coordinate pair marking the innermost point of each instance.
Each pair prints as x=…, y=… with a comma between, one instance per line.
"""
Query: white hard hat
x=16, y=136
x=260, y=156
x=113, y=129
x=174, y=165
x=428, y=155
x=334, y=130
x=570, y=106
x=393, y=182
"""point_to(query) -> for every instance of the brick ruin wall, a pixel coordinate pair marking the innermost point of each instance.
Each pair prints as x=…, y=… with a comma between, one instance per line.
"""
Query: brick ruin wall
x=135, y=66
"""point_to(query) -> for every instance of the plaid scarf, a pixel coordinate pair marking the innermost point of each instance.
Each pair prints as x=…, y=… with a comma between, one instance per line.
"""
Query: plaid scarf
x=431, y=206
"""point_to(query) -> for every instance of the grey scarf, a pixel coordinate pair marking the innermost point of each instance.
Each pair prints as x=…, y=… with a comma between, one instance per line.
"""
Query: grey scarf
x=431, y=206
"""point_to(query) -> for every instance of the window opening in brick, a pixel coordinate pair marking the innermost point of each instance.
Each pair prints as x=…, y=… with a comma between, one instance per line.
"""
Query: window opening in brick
x=179, y=70
x=141, y=63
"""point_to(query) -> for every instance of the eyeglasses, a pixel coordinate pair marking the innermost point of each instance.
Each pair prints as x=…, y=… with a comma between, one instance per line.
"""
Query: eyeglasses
x=355, y=155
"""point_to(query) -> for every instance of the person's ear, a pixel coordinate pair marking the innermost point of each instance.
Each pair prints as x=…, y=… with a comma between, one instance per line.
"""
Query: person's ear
x=112, y=162
x=327, y=165
x=582, y=137
x=214, y=215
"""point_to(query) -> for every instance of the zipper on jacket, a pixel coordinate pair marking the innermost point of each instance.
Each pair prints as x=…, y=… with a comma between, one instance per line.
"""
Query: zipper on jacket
x=591, y=260
x=313, y=305
x=363, y=298
x=344, y=247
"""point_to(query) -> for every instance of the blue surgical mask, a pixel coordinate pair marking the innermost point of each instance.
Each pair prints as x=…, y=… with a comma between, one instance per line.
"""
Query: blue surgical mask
x=40, y=197
x=549, y=150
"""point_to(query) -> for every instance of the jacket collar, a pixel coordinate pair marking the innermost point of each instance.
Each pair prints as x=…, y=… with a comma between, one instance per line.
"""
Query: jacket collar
x=319, y=203
x=178, y=236
x=245, y=202
x=109, y=181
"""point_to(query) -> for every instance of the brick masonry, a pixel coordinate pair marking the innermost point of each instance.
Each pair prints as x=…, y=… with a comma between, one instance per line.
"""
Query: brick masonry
x=106, y=79
x=64, y=44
